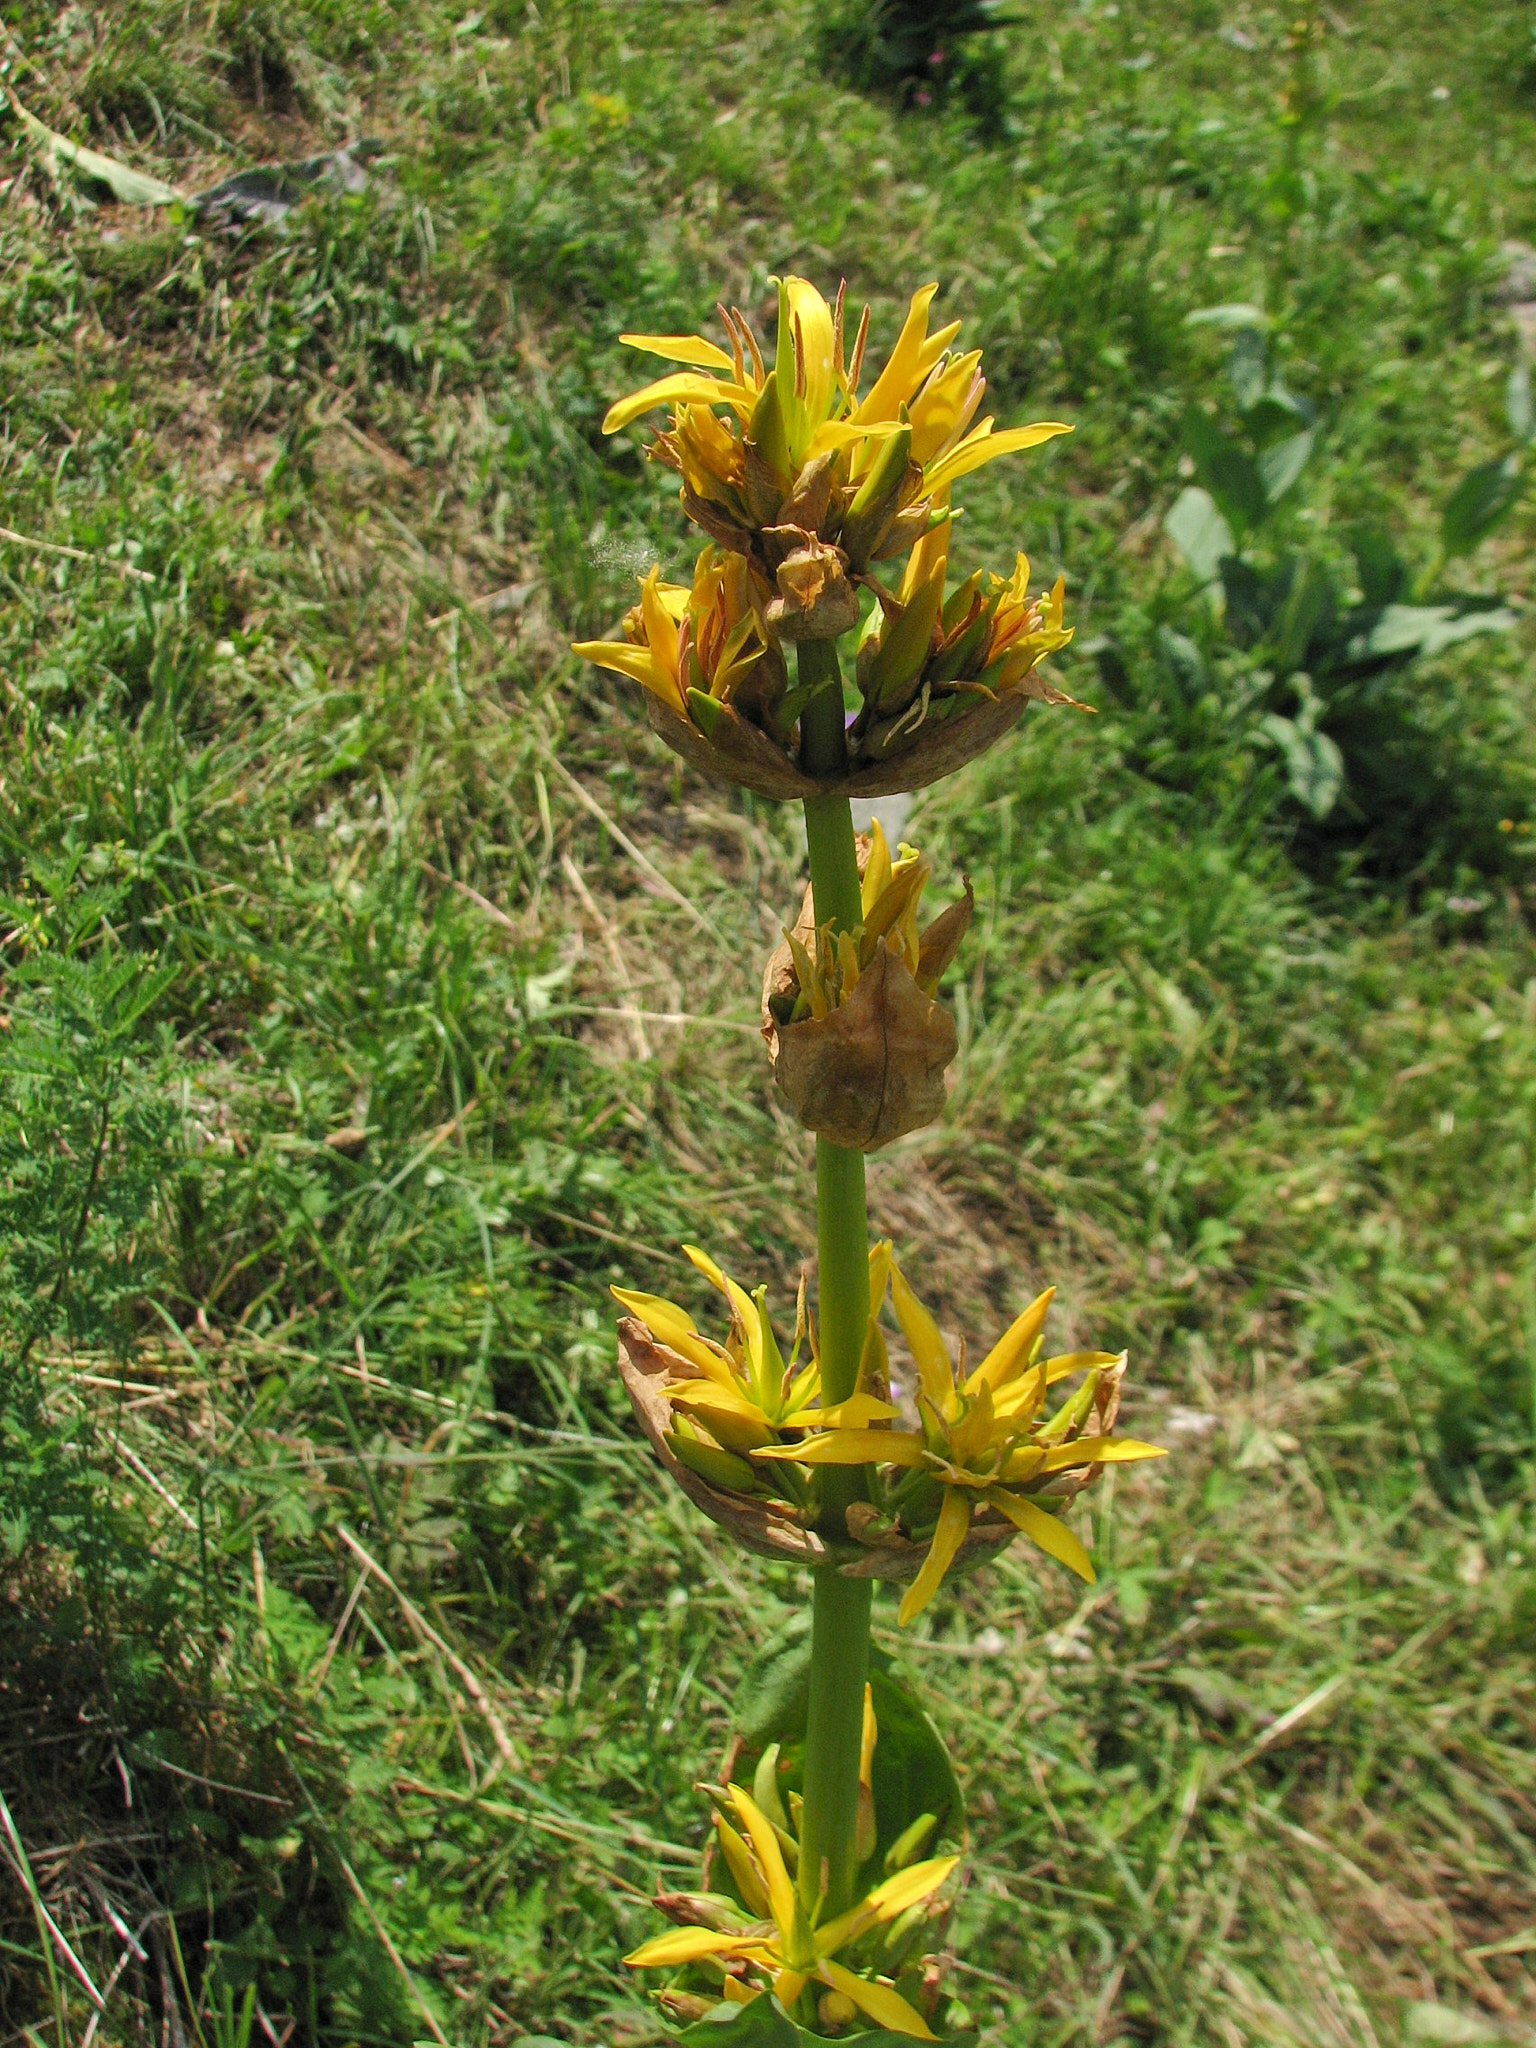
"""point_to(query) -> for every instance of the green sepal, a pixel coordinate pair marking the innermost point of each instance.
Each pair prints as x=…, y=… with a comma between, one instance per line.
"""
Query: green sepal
x=705, y=711
x=720, y=1468
x=877, y=500
x=768, y=433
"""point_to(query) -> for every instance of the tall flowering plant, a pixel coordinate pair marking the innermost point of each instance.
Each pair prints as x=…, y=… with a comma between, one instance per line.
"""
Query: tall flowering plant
x=828, y=1882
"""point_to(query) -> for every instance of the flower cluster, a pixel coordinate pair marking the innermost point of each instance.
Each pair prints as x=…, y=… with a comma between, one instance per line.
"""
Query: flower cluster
x=980, y=1457
x=804, y=483
x=890, y=891
x=761, y=1939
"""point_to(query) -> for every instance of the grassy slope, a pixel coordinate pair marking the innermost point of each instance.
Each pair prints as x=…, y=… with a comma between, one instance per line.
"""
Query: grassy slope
x=1280, y=1145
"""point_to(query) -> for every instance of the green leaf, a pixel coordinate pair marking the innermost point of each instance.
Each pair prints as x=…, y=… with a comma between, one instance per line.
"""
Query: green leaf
x=1305, y=614
x=1427, y=629
x=130, y=187
x=1185, y=663
x=1479, y=503
x=1381, y=569
x=1199, y=532
x=1313, y=764
x=1228, y=472
x=912, y=1772
x=1280, y=465
x=762, y=2024
x=1247, y=367
x=765, y=2024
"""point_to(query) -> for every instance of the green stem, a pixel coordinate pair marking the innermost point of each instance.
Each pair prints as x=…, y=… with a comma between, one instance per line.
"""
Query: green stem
x=840, y=1607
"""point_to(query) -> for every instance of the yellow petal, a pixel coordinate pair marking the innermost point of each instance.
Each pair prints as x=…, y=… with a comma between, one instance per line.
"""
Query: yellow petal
x=1068, y=1362
x=638, y=663
x=954, y=1521
x=879, y=1274
x=928, y=1350
x=859, y=1411
x=683, y=387
x=1053, y=1537
x=888, y=1901
x=661, y=627
x=788, y=1985
x=674, y=1327
x=971, y=1435
x=833, y=434
x=782, y=1902
x=852, y=1447
x=742, y=1868
x=704, y=1264
x=739, y=1423
x=885, y=2006
x=682, y=348
x=810, y=317
x=1099, y=1450
x=877, y=870
x=1011, y=1351
x=899, y=379
x=683, y=1945
x=982, y=446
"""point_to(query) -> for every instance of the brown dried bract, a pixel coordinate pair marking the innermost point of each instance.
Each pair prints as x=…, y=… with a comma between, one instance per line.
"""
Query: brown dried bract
x=873, y=1068
x=741, y=755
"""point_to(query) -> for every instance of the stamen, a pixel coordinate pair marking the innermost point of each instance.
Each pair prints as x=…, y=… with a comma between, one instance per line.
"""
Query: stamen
x=801, y=386
x=856, y=367
x=725, y=319
x=837, y=332
x=751, y=338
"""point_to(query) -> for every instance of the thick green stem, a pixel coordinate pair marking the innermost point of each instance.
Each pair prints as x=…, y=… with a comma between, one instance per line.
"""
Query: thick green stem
x=840, y=1607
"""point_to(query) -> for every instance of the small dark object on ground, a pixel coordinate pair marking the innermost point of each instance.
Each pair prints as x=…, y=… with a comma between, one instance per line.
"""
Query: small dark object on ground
x=271, y=191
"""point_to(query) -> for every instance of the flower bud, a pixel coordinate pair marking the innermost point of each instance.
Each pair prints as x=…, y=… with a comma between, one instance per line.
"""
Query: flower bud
x=816, y=601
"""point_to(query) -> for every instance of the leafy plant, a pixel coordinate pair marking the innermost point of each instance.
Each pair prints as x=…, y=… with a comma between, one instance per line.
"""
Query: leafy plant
x=920, y=50
x=1317, y=665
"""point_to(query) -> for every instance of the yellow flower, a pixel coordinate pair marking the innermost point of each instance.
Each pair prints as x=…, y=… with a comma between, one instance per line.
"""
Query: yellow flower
x=889, y=895
x=925, y=652
x=781, y=1949
x=984, y=1441
x=746, y=1393
x=699, y=647
x=773, y=458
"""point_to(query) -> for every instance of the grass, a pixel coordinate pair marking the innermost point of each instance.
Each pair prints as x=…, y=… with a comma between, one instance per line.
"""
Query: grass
x=352, y=1649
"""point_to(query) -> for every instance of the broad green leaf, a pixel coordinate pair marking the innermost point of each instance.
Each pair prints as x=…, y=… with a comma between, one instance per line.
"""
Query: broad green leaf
x=1185, y=663
x=912, y=1771
x=1427, y=629
x=1479, y=503
x=1282, y=463
x=1247, y=367
x=1199, y=532
x=1276, y=416
x=1313, y=764
x=1381, y=569
x=762, y=2024
x=130, y=187
x=1304, y=615
x=1228, y=472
